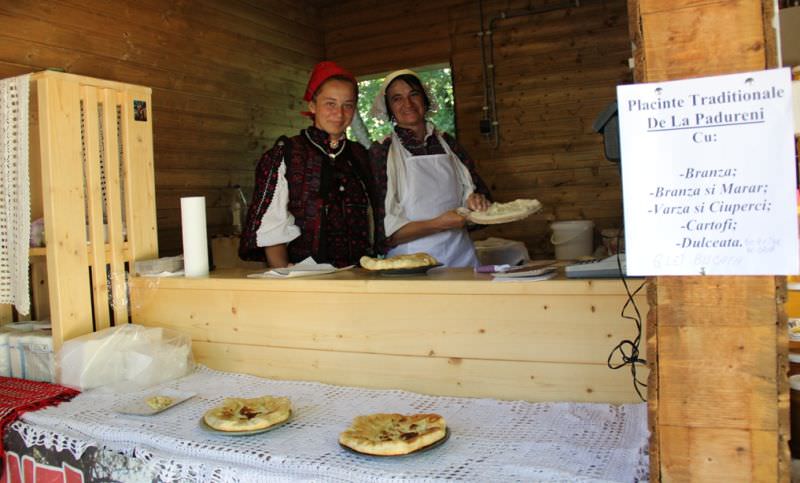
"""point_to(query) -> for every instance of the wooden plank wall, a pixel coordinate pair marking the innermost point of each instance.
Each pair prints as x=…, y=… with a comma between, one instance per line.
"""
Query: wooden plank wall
x=717, y=346
x=227, y=76
x=555, y=72
x=535, y=341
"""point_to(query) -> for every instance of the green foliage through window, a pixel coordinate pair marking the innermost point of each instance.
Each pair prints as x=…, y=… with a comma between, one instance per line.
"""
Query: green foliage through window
x=440, y=85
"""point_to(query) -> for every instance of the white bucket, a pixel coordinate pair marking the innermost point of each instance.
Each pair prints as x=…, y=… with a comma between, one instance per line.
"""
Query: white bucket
x=572, y=239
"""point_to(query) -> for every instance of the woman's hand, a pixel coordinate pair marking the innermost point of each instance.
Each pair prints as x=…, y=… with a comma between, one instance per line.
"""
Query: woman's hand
x=450, y=220
x=477, y=202
x=417, y=229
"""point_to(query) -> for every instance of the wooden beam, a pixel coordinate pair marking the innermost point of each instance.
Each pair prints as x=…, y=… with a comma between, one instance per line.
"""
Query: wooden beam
x=718, y=391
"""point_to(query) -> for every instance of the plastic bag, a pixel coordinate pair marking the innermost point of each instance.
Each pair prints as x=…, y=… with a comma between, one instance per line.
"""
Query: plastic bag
x=128, y=357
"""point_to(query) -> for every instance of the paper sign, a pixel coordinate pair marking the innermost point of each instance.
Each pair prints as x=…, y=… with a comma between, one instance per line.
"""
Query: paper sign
x=708, y=176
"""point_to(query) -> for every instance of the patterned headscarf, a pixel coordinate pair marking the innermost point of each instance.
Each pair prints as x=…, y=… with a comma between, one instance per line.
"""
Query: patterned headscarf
x=322, y=72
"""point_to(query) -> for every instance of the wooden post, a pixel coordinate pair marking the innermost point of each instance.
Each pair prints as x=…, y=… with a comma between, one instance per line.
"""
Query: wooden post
x=718, y=390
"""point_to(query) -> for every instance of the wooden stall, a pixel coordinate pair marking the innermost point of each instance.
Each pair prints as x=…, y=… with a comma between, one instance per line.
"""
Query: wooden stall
x=227, y=79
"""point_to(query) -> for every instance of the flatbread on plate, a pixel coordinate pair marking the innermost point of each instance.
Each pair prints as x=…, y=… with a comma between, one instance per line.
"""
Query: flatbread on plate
x=393, y=434
x=240, y=414
x=396, y=262
x=505, y=212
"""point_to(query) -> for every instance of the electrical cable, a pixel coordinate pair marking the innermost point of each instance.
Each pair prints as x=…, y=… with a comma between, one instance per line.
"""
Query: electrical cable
x=629, y=349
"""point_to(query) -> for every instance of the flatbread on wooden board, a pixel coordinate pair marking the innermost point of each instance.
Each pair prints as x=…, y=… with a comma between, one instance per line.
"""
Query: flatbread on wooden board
x=240, y=414
x=504, y=212
x=393, y=434
x=414, y=260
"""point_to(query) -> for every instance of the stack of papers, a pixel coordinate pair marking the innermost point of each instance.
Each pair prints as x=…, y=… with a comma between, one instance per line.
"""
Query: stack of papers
x=160, y=267
x=526, y=274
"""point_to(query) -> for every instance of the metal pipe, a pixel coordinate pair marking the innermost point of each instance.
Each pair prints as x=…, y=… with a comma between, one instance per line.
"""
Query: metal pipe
x=489, y=90
x=481, y=34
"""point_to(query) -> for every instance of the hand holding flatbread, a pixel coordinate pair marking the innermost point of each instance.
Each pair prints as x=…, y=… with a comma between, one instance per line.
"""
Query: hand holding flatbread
x=504, y=212
x=393, y=434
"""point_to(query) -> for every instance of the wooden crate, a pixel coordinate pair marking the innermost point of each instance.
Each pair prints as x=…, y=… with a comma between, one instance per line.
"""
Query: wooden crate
x=91, y=166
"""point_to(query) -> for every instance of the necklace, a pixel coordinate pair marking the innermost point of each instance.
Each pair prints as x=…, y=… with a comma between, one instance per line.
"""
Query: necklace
x=325, y=151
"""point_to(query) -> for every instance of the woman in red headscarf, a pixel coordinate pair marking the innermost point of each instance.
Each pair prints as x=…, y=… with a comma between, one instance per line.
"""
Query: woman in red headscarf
x=312, y=196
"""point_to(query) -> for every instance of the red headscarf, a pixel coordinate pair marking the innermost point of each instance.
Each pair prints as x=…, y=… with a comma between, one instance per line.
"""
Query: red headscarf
x=322, y=72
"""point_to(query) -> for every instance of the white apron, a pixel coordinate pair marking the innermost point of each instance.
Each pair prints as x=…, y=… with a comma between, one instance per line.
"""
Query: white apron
x=432, y=187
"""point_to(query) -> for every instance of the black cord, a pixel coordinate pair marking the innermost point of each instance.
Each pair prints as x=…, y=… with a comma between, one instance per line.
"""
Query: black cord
x=629, y=349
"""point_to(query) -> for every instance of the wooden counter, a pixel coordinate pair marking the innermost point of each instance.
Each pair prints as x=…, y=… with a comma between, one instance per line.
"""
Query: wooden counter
x=452, y=332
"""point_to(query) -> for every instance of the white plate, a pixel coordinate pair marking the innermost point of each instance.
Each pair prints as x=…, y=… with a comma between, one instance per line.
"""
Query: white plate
x=527, y=273
x=435, y=444
x=393, y=272
x=139, y=407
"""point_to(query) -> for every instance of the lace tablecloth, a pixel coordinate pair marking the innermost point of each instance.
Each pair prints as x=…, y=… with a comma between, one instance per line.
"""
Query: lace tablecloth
x=490, y=440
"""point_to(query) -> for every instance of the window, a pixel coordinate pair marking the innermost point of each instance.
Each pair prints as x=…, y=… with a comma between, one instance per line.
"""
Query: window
x=437, y=79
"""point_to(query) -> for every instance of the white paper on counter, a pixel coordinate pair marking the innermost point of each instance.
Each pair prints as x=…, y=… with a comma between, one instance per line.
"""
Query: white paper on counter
x=708, y=176
x=179, y=273
x=305, y=268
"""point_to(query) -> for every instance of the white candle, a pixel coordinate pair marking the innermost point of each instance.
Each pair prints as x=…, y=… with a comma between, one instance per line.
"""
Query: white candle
x=195, y=240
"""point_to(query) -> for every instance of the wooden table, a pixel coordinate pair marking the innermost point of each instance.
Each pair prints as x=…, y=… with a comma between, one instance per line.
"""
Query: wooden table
x=452, y=332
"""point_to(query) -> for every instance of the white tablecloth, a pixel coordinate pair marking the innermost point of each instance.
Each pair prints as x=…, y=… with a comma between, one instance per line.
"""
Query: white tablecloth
x=490, y=440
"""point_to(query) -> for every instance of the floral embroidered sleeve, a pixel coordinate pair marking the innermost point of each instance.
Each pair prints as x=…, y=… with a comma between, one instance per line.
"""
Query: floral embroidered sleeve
x=378, y=154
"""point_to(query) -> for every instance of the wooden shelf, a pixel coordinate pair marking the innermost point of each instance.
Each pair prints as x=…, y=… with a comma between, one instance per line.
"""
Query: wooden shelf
x=42, y=251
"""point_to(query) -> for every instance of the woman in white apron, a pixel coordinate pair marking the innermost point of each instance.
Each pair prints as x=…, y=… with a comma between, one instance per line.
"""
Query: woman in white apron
x=428, y=176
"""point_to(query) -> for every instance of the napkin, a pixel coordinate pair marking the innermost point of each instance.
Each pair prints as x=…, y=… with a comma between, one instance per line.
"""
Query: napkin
x=302, y=269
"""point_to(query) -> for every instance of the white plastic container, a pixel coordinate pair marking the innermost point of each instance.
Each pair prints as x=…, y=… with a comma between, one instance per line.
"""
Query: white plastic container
x=31, y=355
x=499, y=251
x=572, y=239
x=613, y=241
x=6, y=331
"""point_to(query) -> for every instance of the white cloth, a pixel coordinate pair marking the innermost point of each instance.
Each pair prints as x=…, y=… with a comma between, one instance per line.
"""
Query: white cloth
x=422, y=188
x=277, y=224
x=490, y=440
x=15, y=196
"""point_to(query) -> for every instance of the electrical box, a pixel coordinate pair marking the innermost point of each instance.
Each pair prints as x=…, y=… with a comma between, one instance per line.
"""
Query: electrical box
x=607, y=124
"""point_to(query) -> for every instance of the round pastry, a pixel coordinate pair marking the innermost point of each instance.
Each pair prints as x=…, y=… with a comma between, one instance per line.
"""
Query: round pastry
x=393, y=434
x=414, y=260
x=240, y=414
